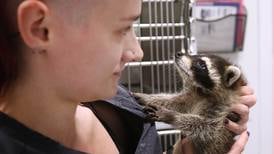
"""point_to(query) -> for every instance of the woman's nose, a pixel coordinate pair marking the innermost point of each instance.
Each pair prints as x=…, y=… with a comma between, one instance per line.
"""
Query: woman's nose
x=132, y=55
x=137, y=52
x=133, y=50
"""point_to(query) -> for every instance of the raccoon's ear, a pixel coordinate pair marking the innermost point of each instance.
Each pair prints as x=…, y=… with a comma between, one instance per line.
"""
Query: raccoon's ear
x=232, y=74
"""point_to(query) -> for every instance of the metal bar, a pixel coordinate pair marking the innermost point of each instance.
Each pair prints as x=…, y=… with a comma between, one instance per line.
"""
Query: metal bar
x=157, y=45
x=150, y=63
x=151, y=46
x=155, y=38
x=168, y=48
x=158, y=0
x=189, y=45
x=193, y=43
x=163, y=45
x=157, y=25
x=185, y=14
x=140, y=66
x=173, y=45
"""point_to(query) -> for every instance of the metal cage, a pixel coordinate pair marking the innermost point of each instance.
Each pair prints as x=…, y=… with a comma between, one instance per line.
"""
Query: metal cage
x=160, y=31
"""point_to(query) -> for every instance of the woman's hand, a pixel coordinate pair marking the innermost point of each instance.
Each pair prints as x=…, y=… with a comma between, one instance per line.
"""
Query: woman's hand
x=247, y=100
x=187, y=147
x=240, y=143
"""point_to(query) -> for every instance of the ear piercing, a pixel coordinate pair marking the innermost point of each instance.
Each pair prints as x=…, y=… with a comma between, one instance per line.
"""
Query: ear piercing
x=38, y=51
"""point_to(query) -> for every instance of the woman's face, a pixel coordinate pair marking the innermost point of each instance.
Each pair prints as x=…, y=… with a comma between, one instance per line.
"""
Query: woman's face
x=88, y=51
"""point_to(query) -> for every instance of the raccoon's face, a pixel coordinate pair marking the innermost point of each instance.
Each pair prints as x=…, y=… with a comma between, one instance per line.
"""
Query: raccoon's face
x=208, y=72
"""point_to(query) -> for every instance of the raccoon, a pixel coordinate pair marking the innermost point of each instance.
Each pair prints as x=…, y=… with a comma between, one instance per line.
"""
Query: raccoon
x=211, y=86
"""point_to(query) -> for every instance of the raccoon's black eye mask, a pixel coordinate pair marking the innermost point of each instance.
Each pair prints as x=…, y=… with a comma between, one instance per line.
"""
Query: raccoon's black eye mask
x=201, y=65
x=201, y=74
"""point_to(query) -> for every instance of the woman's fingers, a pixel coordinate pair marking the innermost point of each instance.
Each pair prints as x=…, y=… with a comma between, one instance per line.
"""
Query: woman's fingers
x=246, y=90
x=248, y=100
x=187, y=146
x=238, y=146
x=243, y=111
x=235, y=127
x=242, y=107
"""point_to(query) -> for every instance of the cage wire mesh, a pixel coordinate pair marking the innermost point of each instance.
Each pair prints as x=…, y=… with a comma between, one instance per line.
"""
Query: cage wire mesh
x=161, y=31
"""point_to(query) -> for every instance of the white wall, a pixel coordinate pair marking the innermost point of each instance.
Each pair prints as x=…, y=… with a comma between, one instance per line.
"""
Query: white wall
x=256, y=61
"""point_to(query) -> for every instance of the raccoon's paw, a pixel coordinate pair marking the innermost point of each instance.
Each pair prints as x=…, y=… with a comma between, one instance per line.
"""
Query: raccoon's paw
x=141, y=98
x=159, y=113
x=151, y=112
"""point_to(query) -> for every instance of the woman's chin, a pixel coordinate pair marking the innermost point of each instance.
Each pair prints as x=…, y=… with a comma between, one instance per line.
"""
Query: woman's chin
x=110, y=93
x=103, y=93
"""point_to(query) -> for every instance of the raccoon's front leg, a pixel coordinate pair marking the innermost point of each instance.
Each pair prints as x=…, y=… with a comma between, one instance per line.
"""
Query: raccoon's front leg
x=154, y=99
x=208, y=136
x=159, y=113
x=190, y=124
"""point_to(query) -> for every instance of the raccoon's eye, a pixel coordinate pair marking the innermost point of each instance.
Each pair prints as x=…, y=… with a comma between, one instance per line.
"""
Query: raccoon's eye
x=201, y=65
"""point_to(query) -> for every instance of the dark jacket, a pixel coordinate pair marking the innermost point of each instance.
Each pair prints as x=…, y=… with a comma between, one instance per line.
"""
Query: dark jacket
x=149, y=142
x=140, y=135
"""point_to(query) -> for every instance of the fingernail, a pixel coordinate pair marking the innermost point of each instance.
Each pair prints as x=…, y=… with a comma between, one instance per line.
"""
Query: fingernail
x=248, y=133
x=226, y=121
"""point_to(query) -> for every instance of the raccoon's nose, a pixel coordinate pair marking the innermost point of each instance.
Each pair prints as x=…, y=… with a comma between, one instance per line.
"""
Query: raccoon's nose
x=179, y=54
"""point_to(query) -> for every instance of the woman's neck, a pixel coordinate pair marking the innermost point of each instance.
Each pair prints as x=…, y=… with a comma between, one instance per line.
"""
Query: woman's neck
x=42, y=112
x=72, y=125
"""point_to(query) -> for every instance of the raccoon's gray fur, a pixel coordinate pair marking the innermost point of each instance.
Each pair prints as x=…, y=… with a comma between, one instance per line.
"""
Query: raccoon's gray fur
x=211, y=86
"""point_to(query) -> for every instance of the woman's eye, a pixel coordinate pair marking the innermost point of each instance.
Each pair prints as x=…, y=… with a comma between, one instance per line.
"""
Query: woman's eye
x=126, y=30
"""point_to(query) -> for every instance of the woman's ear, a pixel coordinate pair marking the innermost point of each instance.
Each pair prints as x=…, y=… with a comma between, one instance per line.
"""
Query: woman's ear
x=32, y=23
x=232, y=74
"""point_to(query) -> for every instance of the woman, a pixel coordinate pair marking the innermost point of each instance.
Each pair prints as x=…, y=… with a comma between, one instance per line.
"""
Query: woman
x=68, y=52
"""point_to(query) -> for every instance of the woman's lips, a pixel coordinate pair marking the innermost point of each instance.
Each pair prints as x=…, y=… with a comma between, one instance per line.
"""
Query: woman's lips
x=119, y=71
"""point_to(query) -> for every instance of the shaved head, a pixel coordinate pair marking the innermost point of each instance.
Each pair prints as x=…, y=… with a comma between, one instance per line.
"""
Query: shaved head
x=64, y=42
x=72, y=10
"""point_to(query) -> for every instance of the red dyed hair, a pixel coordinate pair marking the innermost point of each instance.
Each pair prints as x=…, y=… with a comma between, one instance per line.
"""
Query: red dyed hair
x=9, y=55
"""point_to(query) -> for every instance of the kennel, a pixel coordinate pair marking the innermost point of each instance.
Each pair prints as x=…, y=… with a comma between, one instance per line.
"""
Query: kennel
x=161, y=31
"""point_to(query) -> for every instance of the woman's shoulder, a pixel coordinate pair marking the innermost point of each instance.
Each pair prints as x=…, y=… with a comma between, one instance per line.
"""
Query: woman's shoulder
x=16, y=138
x=92, y=136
